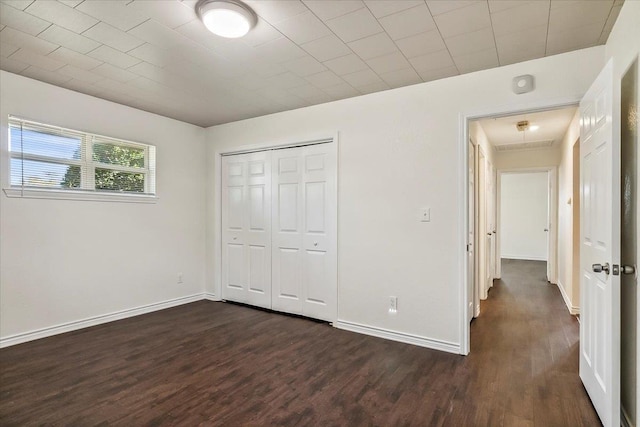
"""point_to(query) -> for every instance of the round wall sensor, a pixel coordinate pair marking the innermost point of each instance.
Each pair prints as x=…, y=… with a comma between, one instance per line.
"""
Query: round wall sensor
x=522, y=84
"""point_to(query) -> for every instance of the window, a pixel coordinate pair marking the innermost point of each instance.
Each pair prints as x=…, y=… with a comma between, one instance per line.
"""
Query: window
x=45, y=157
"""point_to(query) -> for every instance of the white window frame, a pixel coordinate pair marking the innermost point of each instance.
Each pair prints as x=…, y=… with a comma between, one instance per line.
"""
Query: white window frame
x=87, y=166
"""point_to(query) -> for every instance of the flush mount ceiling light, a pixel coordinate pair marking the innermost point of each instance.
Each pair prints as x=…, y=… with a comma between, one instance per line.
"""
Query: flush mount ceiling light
x=522, y=125
x=226, y=18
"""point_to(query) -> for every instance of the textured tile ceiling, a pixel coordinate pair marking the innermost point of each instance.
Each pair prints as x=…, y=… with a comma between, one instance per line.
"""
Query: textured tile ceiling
x=157, y=56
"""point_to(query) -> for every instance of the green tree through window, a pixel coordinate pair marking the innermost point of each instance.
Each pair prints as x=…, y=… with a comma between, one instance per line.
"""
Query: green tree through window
x=108, y=179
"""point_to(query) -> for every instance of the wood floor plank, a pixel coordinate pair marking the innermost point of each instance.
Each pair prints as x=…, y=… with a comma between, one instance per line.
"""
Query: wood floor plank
x=217, y=364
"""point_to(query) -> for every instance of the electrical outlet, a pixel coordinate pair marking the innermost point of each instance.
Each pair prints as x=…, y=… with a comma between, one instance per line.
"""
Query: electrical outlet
x=180, y=281
x=393, y=305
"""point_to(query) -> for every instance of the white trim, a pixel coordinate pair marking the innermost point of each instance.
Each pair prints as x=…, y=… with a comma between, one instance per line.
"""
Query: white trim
x=572, y=309
x=463, y=189
x=103, y=196
x=387, y=334
x=258, y=148
x=210, y=296
x=464, y=330
x=95, y=320
x=402, y=337
x=524, y=257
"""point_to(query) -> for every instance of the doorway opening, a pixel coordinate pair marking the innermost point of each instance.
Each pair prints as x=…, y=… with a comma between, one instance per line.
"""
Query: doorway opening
x=523, y=200
x=525, y=205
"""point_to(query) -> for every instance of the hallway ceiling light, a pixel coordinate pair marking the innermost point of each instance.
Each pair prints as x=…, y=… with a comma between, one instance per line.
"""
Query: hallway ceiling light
x=226, y=18
x=525, y=125
x=522, y=125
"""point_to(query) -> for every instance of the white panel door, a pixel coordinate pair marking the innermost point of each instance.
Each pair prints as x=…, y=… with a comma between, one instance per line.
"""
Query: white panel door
x=599, y=219
x=304, y=228
x=490, y=262
x=471, y=221
x=246, y=228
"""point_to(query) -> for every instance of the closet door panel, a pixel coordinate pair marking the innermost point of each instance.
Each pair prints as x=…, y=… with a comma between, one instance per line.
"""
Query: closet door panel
x=259, y=230
x=319, y=232
x=287, y=231
x=246, y=228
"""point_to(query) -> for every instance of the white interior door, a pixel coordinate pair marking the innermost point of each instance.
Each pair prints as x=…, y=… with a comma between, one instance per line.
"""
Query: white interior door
x=488, y=280
x=246, y=228
x=471, y=218
x=599, y=219
x=483, y=237
x=304, y=228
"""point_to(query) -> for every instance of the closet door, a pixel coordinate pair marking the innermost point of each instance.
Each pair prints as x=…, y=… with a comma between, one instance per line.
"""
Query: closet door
x=246, y=228
x=304, y=234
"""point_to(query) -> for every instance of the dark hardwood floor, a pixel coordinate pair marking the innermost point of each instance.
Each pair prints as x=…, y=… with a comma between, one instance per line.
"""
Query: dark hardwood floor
x=210, y=363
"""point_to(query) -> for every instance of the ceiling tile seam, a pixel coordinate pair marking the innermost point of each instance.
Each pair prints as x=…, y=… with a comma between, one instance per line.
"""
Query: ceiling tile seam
x=274, y=22
x=333, y=17
x=443, y=39
x=605, y=21
x=38, y=35
x=64, y=6
x=30, y=14
x=345, y=43
x=493, y=34
x=136, y=26
x=82, y=33
x=111, y=26
x=396, y=45
x=546, y=40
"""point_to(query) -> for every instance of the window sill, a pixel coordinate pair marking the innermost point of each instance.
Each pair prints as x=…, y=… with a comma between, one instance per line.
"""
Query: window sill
x=40, y=193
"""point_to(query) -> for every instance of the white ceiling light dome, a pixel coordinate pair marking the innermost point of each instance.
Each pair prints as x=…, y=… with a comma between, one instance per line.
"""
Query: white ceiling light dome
x=226, y=18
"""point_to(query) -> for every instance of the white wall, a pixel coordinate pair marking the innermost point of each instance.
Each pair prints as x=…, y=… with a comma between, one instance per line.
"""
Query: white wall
x=63, y=261
x=524, y=204
x=623, y=47
x=401, y=150
x=565, y=216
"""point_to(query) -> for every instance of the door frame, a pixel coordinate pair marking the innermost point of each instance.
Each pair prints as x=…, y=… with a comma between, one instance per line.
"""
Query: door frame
x=552, y=212
x=464, y=328
x=486, y=268
x=481, y=223
x=473, y=213
x=215, y=277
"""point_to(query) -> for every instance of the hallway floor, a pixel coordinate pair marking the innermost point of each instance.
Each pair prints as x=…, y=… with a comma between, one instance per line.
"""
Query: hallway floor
x=211, y=363
x=525, y=346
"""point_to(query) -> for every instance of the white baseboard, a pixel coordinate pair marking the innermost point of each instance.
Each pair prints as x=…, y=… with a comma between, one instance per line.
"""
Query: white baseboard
x=524, y=257
x=96, y=320
x=398, y=336
x=572, y=308
x=123, y=314
x=211, y=296
x=625, y=419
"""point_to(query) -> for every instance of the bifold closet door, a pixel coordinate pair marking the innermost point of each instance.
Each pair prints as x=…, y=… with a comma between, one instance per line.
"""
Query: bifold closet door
x=304, y=231
x=246, y=228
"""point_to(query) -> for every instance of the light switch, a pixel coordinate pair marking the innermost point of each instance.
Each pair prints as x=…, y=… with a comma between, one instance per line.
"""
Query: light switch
x=425, y=214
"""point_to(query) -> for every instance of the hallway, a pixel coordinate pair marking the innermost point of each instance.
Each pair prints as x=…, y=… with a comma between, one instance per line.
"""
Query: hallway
x=524, y=353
